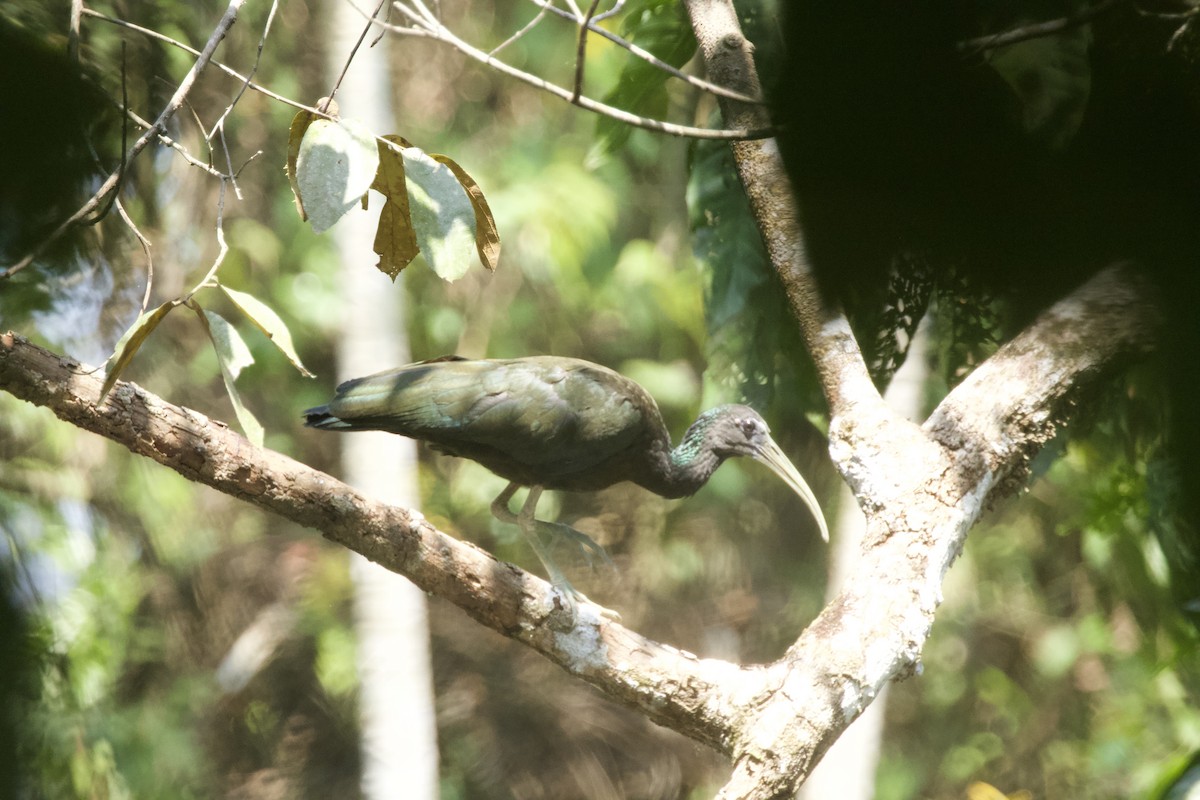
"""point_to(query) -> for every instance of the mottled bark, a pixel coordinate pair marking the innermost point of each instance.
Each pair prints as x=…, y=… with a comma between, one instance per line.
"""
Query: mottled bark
x=921, y=487
x=672, y=687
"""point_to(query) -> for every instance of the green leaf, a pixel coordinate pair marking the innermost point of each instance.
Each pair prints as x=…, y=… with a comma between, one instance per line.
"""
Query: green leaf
x=662, y=27
x=131, y=341
x=267, y=321
x=754, y=350
x=443, y=217
x=233, y=356
x=335, y=166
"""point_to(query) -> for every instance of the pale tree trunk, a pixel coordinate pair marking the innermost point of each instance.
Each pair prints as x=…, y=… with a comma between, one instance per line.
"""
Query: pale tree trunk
x=399, y=732
x=847, y=772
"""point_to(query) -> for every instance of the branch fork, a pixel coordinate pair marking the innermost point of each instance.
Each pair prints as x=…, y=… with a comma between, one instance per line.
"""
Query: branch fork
x=922, y=488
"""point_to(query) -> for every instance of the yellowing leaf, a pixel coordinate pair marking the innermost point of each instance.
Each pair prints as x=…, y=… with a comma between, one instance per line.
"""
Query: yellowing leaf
x=267, y=321
x=131, y=341
x=233, y=356
x=985, y=791
x=395, y=240
x=335, y=165
x=487, y=238
x=443, y=217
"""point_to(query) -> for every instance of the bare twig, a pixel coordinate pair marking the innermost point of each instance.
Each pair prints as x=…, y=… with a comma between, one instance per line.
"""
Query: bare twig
x=245, y=163
x=73, y=31
x=647, y=56
x=159, y=126
x=145, y=249
x=237, y=190
x=424, y=24
x=124, y=215
x=526, y=28
x=103, y=212
x=219, y=125
x=612, y=12
x=350, y=58
x=581, y=51
x=167, y=141
x=145, y=243
x=191, y=159
x=1036, y=30
x=187, y=48
x=262, y=42
x=222, y=250
x=1188, y=17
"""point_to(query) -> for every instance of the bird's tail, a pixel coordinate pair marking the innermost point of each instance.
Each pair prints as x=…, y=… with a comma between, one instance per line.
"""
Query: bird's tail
x=319, y=417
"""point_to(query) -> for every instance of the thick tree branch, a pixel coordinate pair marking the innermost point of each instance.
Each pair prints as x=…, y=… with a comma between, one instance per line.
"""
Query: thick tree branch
x=1013, y=403
x=676, y=689
x=922, y=488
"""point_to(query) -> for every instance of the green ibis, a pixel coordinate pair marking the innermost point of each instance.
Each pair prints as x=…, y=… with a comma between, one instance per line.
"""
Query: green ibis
x=553, y=423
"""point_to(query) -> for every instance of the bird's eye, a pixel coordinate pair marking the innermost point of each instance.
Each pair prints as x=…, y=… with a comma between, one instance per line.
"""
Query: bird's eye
x=749, y=427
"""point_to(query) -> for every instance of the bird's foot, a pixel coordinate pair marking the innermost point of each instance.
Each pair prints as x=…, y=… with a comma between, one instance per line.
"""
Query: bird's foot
x=572, y=598
x=591, y=550
x=588, y=546
x=532, y=529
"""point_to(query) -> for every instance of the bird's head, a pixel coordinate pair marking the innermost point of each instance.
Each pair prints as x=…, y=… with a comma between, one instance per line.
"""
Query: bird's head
x=737, y=430
x=731, y=431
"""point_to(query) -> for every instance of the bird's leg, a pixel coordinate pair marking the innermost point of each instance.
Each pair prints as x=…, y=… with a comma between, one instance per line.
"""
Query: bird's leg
x=500, y=504
x=530, y=526
x=587, y=544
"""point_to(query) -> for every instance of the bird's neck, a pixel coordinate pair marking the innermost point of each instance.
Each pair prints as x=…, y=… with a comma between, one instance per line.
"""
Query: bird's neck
x=681, y=471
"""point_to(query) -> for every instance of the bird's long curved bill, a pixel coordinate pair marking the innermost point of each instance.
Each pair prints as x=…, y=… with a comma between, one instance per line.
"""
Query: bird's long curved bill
x=773, y=457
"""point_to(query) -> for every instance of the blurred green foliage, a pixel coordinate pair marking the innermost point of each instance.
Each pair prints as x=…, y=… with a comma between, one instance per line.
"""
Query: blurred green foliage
x=1057, y=664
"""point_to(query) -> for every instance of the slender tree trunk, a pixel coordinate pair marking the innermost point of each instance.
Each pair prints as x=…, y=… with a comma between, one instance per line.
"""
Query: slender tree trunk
x=399, y=734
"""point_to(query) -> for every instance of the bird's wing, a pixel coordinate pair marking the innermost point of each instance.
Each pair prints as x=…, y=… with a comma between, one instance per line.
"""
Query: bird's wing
x=558, y=414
